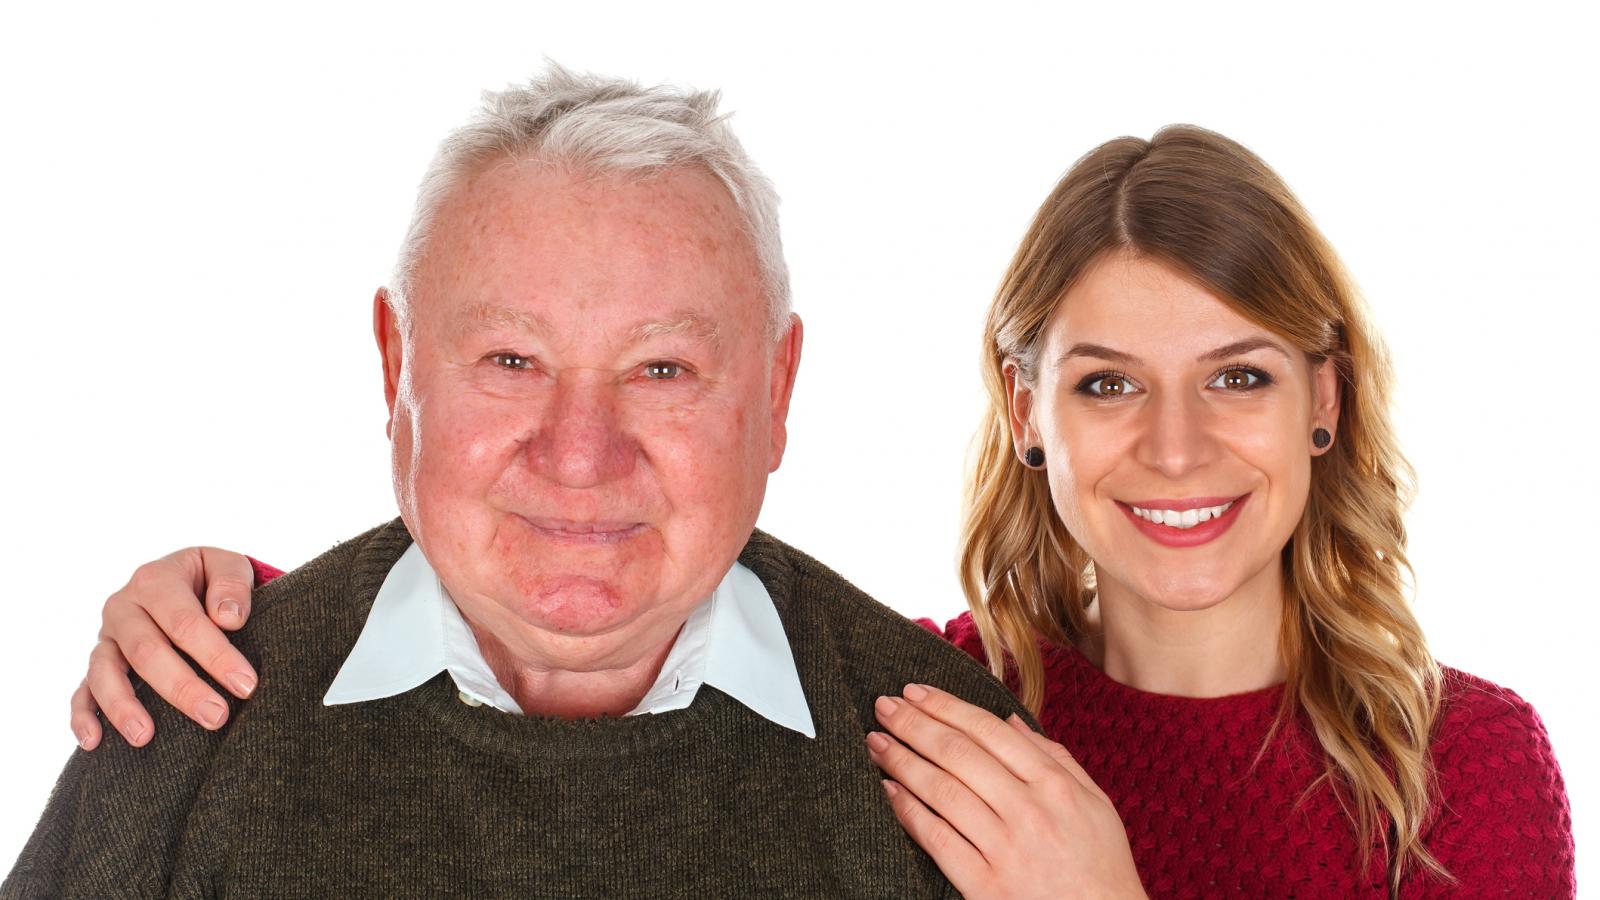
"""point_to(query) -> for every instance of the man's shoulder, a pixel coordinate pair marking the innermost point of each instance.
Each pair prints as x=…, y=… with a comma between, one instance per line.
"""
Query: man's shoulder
x=315, y=611
x=873, y=648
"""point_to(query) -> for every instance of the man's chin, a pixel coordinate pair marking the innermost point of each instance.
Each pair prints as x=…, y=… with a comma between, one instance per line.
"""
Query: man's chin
x=572, y=605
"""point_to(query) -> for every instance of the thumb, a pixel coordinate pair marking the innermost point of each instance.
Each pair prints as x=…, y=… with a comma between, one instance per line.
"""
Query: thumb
x=229, y=579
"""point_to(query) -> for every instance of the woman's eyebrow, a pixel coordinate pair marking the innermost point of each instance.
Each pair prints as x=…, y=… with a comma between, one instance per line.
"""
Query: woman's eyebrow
x=1239, y=348
x=1099, y=352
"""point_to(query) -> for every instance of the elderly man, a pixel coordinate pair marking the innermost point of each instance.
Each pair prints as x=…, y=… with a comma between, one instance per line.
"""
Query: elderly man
x=571, y=667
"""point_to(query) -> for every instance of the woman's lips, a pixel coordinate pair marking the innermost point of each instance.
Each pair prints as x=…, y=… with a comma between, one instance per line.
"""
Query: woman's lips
x=1218, y=515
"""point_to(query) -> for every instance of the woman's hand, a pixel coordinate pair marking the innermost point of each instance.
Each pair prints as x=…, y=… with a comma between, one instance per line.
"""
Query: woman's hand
x=158, y=608
x=1002, y=810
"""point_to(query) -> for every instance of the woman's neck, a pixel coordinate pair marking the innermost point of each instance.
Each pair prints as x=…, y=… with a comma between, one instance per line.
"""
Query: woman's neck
x=1229, y=647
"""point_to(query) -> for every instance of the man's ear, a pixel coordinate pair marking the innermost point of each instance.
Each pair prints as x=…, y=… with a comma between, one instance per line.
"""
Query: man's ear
x=1019, y=407
x=785, y=362
x=386, y=328
x=1326, y=393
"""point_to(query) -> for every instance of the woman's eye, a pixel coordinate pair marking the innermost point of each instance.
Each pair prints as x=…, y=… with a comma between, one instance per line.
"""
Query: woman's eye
x=1238, y=379
x=511, y=361
x=1107, y=386
x=662, y=370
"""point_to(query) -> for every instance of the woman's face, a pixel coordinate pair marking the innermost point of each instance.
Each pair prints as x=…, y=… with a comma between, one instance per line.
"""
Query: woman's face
x=1177, y=433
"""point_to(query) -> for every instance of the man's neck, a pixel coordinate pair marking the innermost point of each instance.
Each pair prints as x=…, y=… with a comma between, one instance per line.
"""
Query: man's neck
x=567, y=694
x=1230, y=647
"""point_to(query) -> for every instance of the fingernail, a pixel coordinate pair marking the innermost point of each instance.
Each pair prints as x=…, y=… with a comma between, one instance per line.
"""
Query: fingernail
x=212, y=712
x=886, y=706
x=877, y=742
x=135, y=731
x=890, y=788
x=916, y=693
x=83, y=737
x=241, y=683
x=228, y=609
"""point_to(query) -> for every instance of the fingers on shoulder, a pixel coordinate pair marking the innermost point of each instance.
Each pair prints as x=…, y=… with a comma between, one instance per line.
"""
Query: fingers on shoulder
x=956, y=857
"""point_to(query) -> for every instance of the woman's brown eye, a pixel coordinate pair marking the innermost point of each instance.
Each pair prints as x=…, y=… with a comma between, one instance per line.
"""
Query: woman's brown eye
x=662, y=371
x=512, y=361
x=1105, y=386
x=1236, y=379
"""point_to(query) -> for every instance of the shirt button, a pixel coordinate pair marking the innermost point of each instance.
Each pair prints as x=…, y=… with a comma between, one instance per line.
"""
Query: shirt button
x=469, y=700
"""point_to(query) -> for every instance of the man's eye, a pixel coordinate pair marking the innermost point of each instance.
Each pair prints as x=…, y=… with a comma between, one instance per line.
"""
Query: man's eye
x=1239, y=379
x=1105, y=384
x=662, y=370
x=511, y=361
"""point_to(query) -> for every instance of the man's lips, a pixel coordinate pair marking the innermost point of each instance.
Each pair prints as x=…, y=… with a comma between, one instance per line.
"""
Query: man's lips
x=585, y=531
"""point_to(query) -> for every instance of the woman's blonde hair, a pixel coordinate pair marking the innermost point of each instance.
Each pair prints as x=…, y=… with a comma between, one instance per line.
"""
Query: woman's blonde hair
x=1359, y=672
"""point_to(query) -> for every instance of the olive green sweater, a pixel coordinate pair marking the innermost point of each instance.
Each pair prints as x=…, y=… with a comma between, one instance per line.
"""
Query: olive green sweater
x=420, y=795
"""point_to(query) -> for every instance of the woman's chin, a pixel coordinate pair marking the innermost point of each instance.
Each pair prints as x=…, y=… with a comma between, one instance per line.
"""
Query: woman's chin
x=1187, y=595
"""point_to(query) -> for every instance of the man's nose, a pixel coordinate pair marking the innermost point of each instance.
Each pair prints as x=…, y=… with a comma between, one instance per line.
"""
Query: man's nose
x=1176, y=435
x=581, y=441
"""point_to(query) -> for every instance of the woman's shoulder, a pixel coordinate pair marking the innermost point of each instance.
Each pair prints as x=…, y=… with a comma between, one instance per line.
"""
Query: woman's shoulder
x=1503, y=814
x=1487, y=734
x=960, y=631
x=1478, y=716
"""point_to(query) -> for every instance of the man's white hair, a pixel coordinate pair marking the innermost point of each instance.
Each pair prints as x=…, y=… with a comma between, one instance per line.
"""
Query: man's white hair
x=599, y=124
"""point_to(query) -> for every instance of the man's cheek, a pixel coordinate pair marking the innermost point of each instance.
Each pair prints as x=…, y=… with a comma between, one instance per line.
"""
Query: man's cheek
x=474, y=441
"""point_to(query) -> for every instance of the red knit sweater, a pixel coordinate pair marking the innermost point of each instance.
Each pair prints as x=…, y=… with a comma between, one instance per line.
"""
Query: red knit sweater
x=1204, y=823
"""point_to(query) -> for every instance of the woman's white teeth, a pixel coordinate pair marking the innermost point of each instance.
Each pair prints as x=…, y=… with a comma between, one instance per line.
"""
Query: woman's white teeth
x=1187, y=518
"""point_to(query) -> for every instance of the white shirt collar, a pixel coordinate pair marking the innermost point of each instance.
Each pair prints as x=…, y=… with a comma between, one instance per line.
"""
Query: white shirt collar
x=733, y=641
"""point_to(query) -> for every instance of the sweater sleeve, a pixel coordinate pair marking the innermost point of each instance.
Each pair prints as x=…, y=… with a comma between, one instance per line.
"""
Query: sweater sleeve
x=117, y=817
x=1504, y=826
x=265, y=572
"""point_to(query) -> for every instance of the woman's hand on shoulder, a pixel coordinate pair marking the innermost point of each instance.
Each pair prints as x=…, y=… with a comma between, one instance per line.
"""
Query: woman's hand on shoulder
x=1003, y=811
x=143, y=625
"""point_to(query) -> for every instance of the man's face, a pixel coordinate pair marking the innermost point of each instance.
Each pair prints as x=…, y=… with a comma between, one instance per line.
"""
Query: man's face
x=586, y=405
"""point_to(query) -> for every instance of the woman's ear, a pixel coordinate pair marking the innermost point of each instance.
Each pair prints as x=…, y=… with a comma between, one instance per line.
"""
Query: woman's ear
x=1019, y=406
x=1326, y=382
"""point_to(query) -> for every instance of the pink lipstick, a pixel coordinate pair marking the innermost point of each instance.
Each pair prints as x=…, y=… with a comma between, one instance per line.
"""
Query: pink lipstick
x=1188, y=522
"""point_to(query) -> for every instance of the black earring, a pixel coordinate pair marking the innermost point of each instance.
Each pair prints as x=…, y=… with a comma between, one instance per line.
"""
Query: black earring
x=1320, y=438
x=1033, y=458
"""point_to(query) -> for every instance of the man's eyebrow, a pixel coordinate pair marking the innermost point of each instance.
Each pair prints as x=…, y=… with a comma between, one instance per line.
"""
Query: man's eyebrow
x=482, y=316
x=686, y=322
x=1239, y=348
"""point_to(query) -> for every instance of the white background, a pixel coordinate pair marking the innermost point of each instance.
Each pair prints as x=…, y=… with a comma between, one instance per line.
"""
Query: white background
x=197, y=205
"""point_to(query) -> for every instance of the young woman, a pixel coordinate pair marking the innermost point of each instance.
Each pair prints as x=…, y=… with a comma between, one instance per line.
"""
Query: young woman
x=1184, y=549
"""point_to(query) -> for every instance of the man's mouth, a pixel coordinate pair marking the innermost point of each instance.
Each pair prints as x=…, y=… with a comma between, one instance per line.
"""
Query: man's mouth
x=585, y=531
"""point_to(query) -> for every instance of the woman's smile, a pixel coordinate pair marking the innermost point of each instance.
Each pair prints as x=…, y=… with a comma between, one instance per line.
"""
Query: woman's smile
x=1184, y=523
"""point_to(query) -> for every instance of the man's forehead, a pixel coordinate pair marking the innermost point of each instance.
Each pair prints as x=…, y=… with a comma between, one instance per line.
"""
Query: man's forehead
x=526, y=236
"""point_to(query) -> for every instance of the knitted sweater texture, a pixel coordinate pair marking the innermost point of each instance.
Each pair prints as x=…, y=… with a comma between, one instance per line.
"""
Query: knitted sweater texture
x=420, y=795
x=1205, y=818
